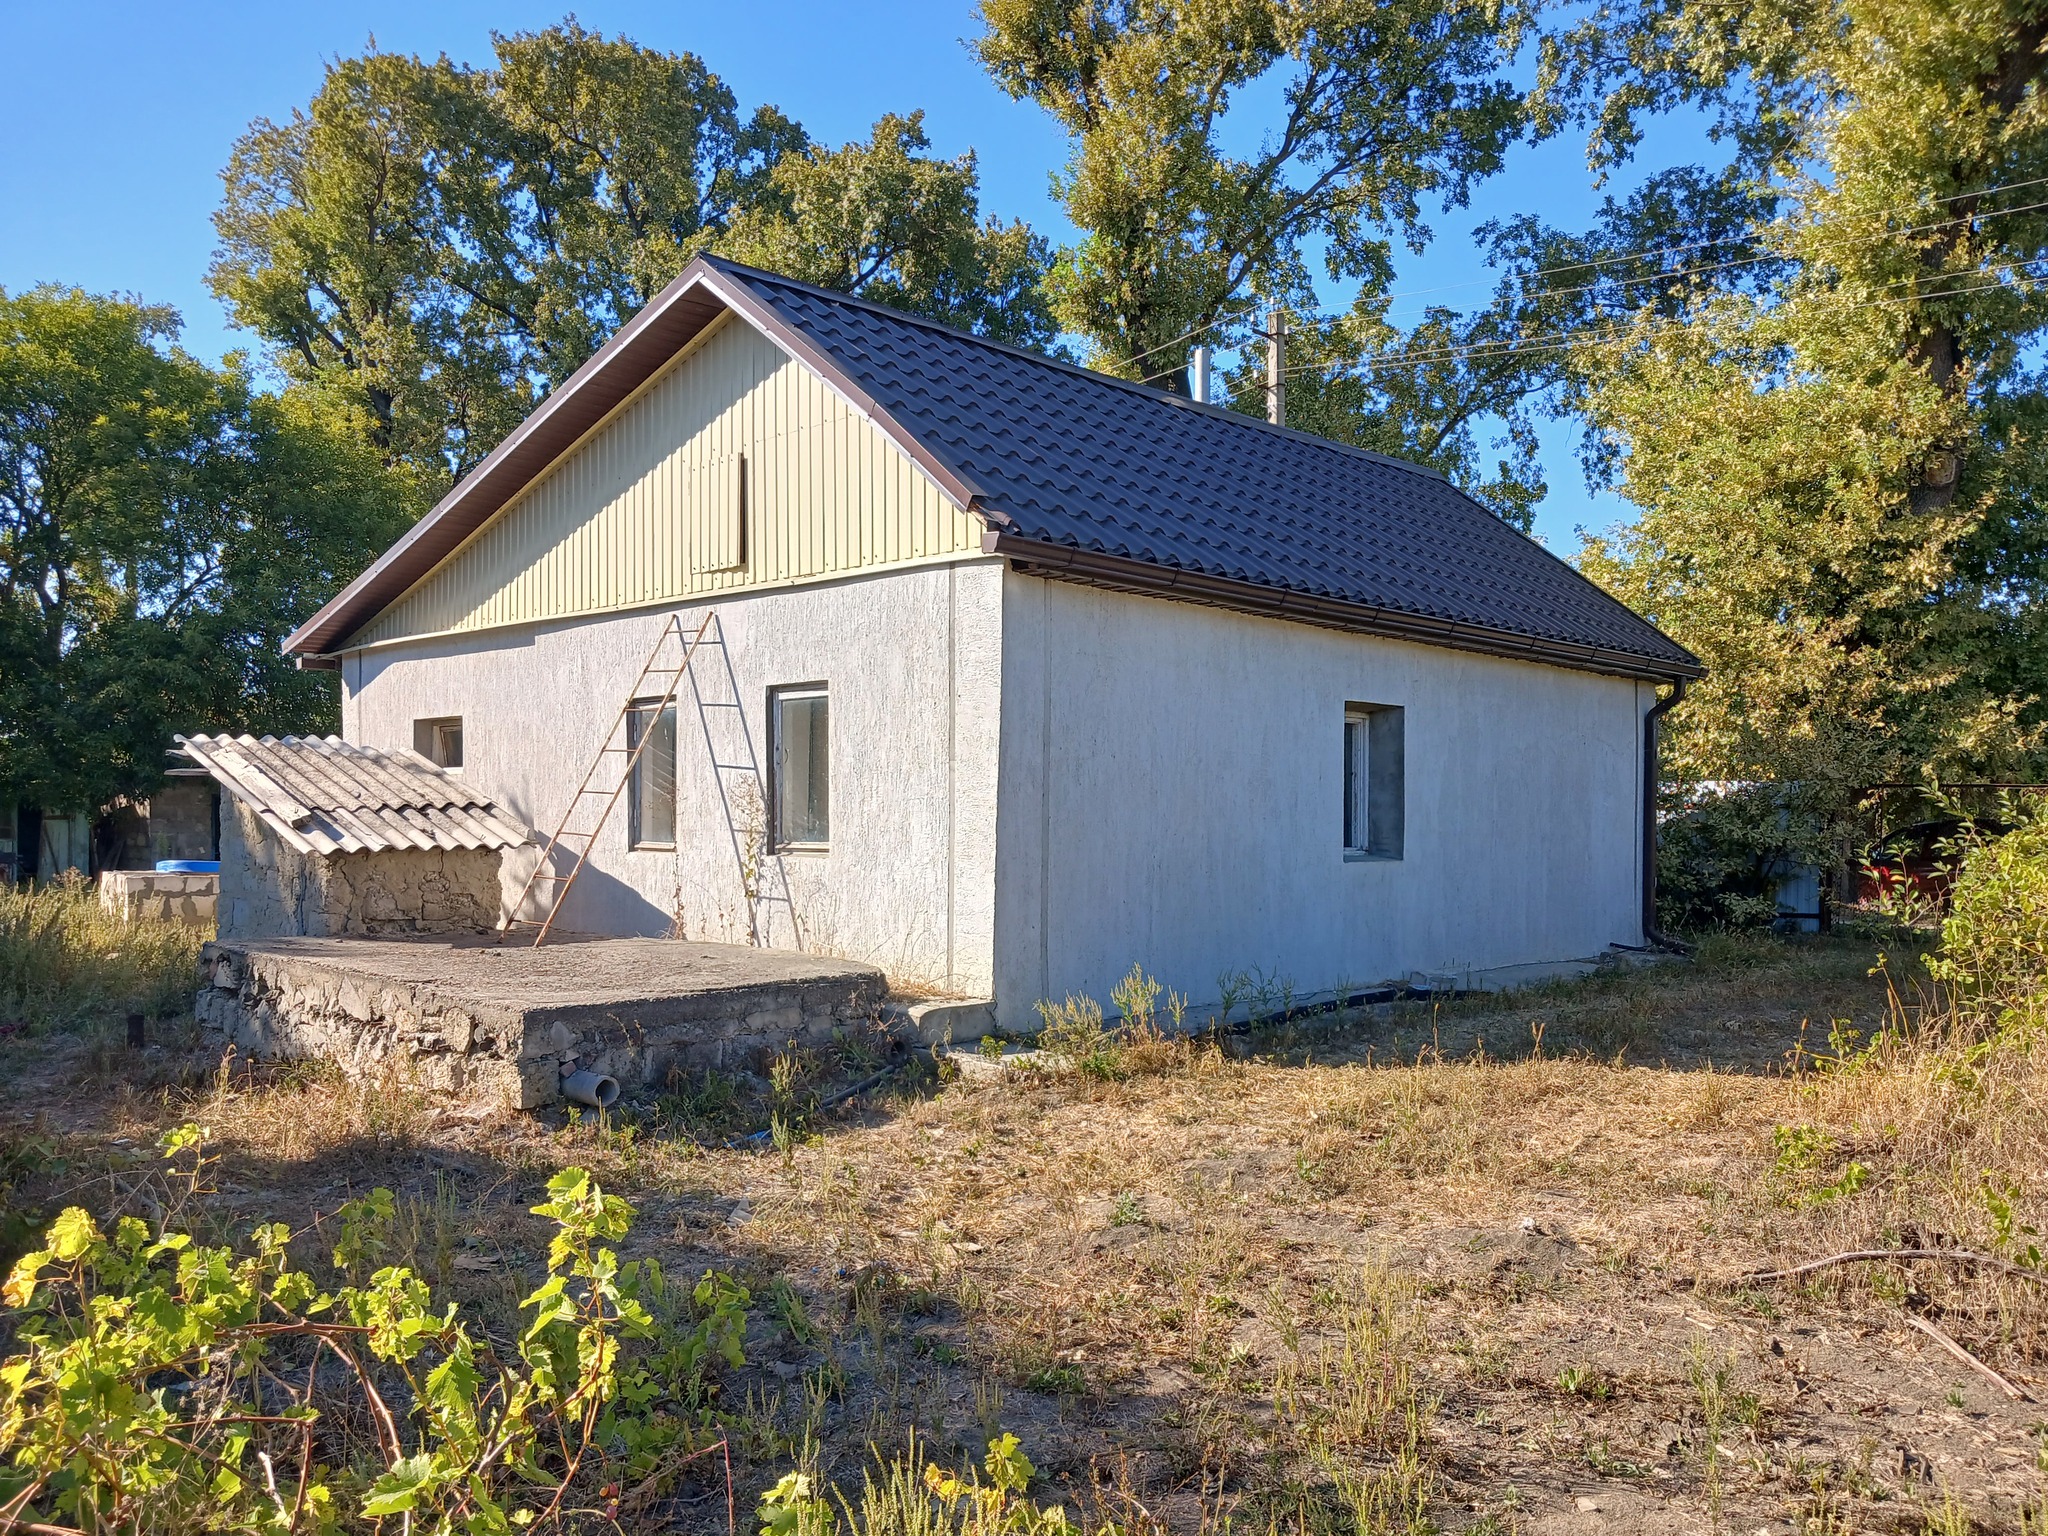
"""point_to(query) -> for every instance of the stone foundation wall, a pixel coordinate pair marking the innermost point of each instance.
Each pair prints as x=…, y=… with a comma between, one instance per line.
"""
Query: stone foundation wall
x=268, y=890
x=276, y=1005
x=142, y=895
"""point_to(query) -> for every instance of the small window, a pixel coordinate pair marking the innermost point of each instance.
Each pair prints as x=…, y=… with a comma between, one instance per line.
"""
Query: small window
x=1373, y=781
x=439, y=741
x=651, y=797
x=800, y=755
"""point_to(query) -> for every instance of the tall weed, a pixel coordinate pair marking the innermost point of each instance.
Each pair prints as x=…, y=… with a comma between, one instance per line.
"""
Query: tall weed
x=1950, y=1096
x=166, y=1386
x=66, y=964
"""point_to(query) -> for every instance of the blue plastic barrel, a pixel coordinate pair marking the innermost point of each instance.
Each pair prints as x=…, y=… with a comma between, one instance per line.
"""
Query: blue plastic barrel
x=188, y=866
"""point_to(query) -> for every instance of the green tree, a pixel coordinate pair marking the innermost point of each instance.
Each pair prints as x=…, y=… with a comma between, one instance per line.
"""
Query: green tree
x=884, y=220
x=432, y=247
x=162, y=527
x=330, y=252
x=1378, y=107
x=1839, y=473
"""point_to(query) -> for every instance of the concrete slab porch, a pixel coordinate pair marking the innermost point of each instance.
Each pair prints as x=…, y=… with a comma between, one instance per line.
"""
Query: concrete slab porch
x=506, y=1023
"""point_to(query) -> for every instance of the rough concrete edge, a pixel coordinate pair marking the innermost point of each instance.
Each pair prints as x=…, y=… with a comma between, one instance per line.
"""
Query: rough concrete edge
x=419, y=990
x=941, y=1023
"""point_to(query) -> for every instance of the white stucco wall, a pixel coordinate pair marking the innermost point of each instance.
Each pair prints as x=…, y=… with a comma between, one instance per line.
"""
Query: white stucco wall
x=912, y=660
x=1036, y=785
x=1172, y=797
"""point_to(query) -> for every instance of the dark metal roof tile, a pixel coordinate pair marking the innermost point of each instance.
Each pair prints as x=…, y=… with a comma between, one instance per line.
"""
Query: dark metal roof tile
x=1056, y=458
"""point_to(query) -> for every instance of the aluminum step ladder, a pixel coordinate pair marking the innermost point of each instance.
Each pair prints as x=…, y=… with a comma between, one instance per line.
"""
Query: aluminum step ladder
x=605, y=781
x=729, y=743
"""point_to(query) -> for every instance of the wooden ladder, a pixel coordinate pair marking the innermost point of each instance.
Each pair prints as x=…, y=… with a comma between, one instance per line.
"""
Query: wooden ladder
x=602, y=794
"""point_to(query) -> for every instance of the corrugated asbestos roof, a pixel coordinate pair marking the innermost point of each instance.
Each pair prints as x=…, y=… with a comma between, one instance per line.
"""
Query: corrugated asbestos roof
x=322, y=795
x=1080, y=475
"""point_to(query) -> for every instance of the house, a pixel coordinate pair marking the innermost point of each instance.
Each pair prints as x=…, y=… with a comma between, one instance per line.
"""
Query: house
x=1039, y=674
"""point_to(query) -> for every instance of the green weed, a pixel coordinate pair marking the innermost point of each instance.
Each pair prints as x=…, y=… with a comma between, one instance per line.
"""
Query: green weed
x=169, y=1386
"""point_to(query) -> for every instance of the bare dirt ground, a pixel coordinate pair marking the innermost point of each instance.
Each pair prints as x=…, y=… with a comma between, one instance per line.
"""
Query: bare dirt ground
x=1472, y=1268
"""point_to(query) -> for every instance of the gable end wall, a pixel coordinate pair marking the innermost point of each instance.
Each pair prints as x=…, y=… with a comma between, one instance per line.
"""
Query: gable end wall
x=617, y=523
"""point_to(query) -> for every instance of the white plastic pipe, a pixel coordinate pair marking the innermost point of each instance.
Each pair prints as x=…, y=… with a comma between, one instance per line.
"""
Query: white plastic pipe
x=592, y=1088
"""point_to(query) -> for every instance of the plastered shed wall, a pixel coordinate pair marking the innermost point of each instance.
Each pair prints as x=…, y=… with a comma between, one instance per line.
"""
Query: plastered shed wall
x=269, y=890
x=912, y=663
x=1172, y=797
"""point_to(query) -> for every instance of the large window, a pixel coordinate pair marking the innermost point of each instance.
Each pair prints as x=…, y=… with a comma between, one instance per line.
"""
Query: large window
x=651, y=796
x=800, y=755
x=439, y=741
x=1374, y=788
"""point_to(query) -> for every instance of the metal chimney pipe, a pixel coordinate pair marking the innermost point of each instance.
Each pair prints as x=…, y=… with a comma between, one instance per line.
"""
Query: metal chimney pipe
x=1200, y=369
x=1276, y=378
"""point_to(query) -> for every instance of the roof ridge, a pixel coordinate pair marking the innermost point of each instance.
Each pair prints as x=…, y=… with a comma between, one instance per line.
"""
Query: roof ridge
x=1093, y=375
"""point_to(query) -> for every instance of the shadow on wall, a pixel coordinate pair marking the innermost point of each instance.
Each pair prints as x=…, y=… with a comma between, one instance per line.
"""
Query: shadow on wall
x=599, y=903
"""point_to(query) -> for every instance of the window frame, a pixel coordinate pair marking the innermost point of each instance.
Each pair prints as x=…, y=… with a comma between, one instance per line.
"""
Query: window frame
x=638, y=712
x=1375, y=790
x=430, y=732
x=777, y=697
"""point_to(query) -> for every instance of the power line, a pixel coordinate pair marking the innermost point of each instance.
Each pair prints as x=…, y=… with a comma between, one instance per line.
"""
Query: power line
x=1643, y=255
x=1750, y=261
x=1565, y=340
x=1513, y=344
x=1696, y=245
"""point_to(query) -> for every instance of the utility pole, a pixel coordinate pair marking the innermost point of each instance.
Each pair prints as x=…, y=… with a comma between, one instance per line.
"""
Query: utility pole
x=1276, y=377
x=1200, y=370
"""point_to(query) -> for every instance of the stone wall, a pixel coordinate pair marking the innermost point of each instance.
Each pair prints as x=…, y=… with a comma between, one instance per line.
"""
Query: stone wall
x=142, y=895
x=269, y=890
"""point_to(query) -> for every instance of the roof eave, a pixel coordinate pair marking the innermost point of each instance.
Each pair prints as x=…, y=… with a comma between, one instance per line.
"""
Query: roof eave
x=1121, y=573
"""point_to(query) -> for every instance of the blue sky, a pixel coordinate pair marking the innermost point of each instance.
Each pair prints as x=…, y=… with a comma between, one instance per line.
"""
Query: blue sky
x=116, y=119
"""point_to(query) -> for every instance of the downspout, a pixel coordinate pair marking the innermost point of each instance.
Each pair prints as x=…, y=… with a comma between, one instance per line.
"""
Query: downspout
x=1653, y=936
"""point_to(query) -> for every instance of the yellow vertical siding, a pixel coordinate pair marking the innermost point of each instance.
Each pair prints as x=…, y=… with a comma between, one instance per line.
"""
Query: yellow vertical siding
x=641, y=511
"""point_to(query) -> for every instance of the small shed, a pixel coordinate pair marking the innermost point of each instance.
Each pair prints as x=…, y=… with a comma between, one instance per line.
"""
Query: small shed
x=325, y=839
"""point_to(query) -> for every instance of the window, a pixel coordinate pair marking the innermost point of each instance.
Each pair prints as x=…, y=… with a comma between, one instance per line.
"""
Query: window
x=800, y=758
x=651, y=798
x=1373, y=781
x=439, y=741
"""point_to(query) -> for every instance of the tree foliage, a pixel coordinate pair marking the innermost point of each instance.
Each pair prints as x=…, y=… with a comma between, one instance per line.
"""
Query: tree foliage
x=1455, y=388
x=1839, y=472
x=1223, y=160
x=1185, y=221
x=162, y=527
x=886, y=221
x=433, y=247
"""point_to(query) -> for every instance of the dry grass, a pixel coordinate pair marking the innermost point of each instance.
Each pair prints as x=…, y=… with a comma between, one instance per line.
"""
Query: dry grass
x=1463, y=1268
x=65, y=964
